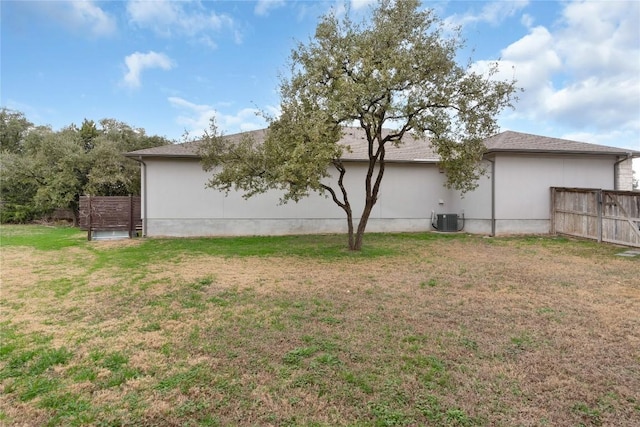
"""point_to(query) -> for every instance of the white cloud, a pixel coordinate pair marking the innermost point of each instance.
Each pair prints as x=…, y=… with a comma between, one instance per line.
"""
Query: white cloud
x=599, y=44
x=79, y=16
x=527, y=20
x=159, y=16
x=611, y=138
x=582, y=73
x=361, y=4
x=264, y=6
x=600, y=37
x=169, y=18
x=342, y=7
x=493, y=13
x=532, y=62
x=195, y=117
x=91, y=16
x=137, y=62
x=597, y=102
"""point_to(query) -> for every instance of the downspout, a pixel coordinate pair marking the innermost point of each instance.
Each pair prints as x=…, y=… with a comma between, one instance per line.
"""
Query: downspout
x=493, y=196
x=143, y=190
x=615, y=170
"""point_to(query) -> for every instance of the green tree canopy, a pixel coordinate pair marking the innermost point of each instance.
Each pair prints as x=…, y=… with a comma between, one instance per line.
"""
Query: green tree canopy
x=60, y=167
x=394, y=75
x=42, y=170
x=88, y=133
x=14, y=127
x=111, y=173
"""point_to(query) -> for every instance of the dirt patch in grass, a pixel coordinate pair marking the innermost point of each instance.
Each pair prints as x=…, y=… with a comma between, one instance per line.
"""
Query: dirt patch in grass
x=447, y=332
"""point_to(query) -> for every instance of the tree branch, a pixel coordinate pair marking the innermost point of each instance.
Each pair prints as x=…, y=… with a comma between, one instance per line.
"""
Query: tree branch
x=344, y=205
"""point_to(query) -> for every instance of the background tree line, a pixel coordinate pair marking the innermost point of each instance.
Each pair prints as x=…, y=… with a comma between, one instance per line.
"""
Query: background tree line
x=42, y=170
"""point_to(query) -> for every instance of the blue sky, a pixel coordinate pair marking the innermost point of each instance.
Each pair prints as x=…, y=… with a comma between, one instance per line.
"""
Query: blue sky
x=168, y=66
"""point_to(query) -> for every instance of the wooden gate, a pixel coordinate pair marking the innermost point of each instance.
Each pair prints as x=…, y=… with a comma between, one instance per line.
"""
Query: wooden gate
x=603, y=215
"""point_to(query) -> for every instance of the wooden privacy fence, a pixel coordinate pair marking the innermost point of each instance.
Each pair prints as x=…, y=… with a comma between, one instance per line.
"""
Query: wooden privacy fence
x=603, y=215
x=110, y=213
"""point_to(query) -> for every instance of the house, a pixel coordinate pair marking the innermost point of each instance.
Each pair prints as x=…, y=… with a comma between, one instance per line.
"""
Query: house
x=512, y=198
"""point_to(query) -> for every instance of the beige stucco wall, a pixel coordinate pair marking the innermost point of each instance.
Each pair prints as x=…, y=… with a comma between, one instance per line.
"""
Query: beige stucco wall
x=474, y=205
x=178, y=203
x=522, y=196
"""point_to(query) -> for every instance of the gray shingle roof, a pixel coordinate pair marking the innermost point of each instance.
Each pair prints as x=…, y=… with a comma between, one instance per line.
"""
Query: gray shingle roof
x=188, y=149
x=413, y=150
x=528, y=143
x=410, y=150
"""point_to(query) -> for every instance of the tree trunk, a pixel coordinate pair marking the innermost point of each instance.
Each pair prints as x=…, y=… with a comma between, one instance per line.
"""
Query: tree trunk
x=362, y=225
x=372, y=188
x=75, y=208
x=344, y=203
x=376, y=159
x=350, y=231
x=371, y=199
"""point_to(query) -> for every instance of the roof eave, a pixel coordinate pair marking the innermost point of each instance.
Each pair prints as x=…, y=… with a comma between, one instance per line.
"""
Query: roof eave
x=167, y=156
x=415, y=161
x=568, y=152
x=195, y=156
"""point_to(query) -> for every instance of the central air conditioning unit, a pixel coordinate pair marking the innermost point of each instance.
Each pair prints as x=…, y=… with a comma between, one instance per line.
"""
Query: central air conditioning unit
x=447, y=222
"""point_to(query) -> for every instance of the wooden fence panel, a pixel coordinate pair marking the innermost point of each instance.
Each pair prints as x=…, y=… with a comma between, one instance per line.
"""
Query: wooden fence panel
x=621, y=217
x=103, y=213
x=603, y=215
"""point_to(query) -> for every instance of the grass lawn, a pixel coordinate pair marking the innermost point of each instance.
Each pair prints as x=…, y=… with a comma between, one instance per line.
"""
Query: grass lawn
x=418, y=329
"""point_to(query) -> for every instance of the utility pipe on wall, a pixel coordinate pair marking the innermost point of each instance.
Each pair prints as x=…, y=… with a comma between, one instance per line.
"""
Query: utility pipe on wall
x=493, y=196
x=616, y=165
x=143, y=190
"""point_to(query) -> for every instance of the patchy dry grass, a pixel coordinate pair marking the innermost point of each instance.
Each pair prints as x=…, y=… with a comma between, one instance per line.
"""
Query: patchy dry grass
x=418, y=330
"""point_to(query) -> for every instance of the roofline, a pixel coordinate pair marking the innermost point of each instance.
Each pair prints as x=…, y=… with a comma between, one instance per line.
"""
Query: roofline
x=196, y=157
x=630, y=154
x=414, y=161
x=168, y=156
x=489, y=151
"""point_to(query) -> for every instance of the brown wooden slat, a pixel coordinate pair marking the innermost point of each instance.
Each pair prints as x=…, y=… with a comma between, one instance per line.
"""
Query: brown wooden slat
x=603, y=215
x=110, y=213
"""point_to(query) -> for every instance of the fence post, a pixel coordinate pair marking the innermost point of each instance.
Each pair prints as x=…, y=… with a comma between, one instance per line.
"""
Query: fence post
x=131, y=226
x=599, y=202
x=552, y=214
x=89, y=217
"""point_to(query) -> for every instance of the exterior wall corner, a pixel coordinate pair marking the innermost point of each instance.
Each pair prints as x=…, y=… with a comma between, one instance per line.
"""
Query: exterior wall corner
x=624, y=175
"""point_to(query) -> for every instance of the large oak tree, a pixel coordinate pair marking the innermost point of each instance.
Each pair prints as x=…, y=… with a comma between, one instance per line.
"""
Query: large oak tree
x=396, y=76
